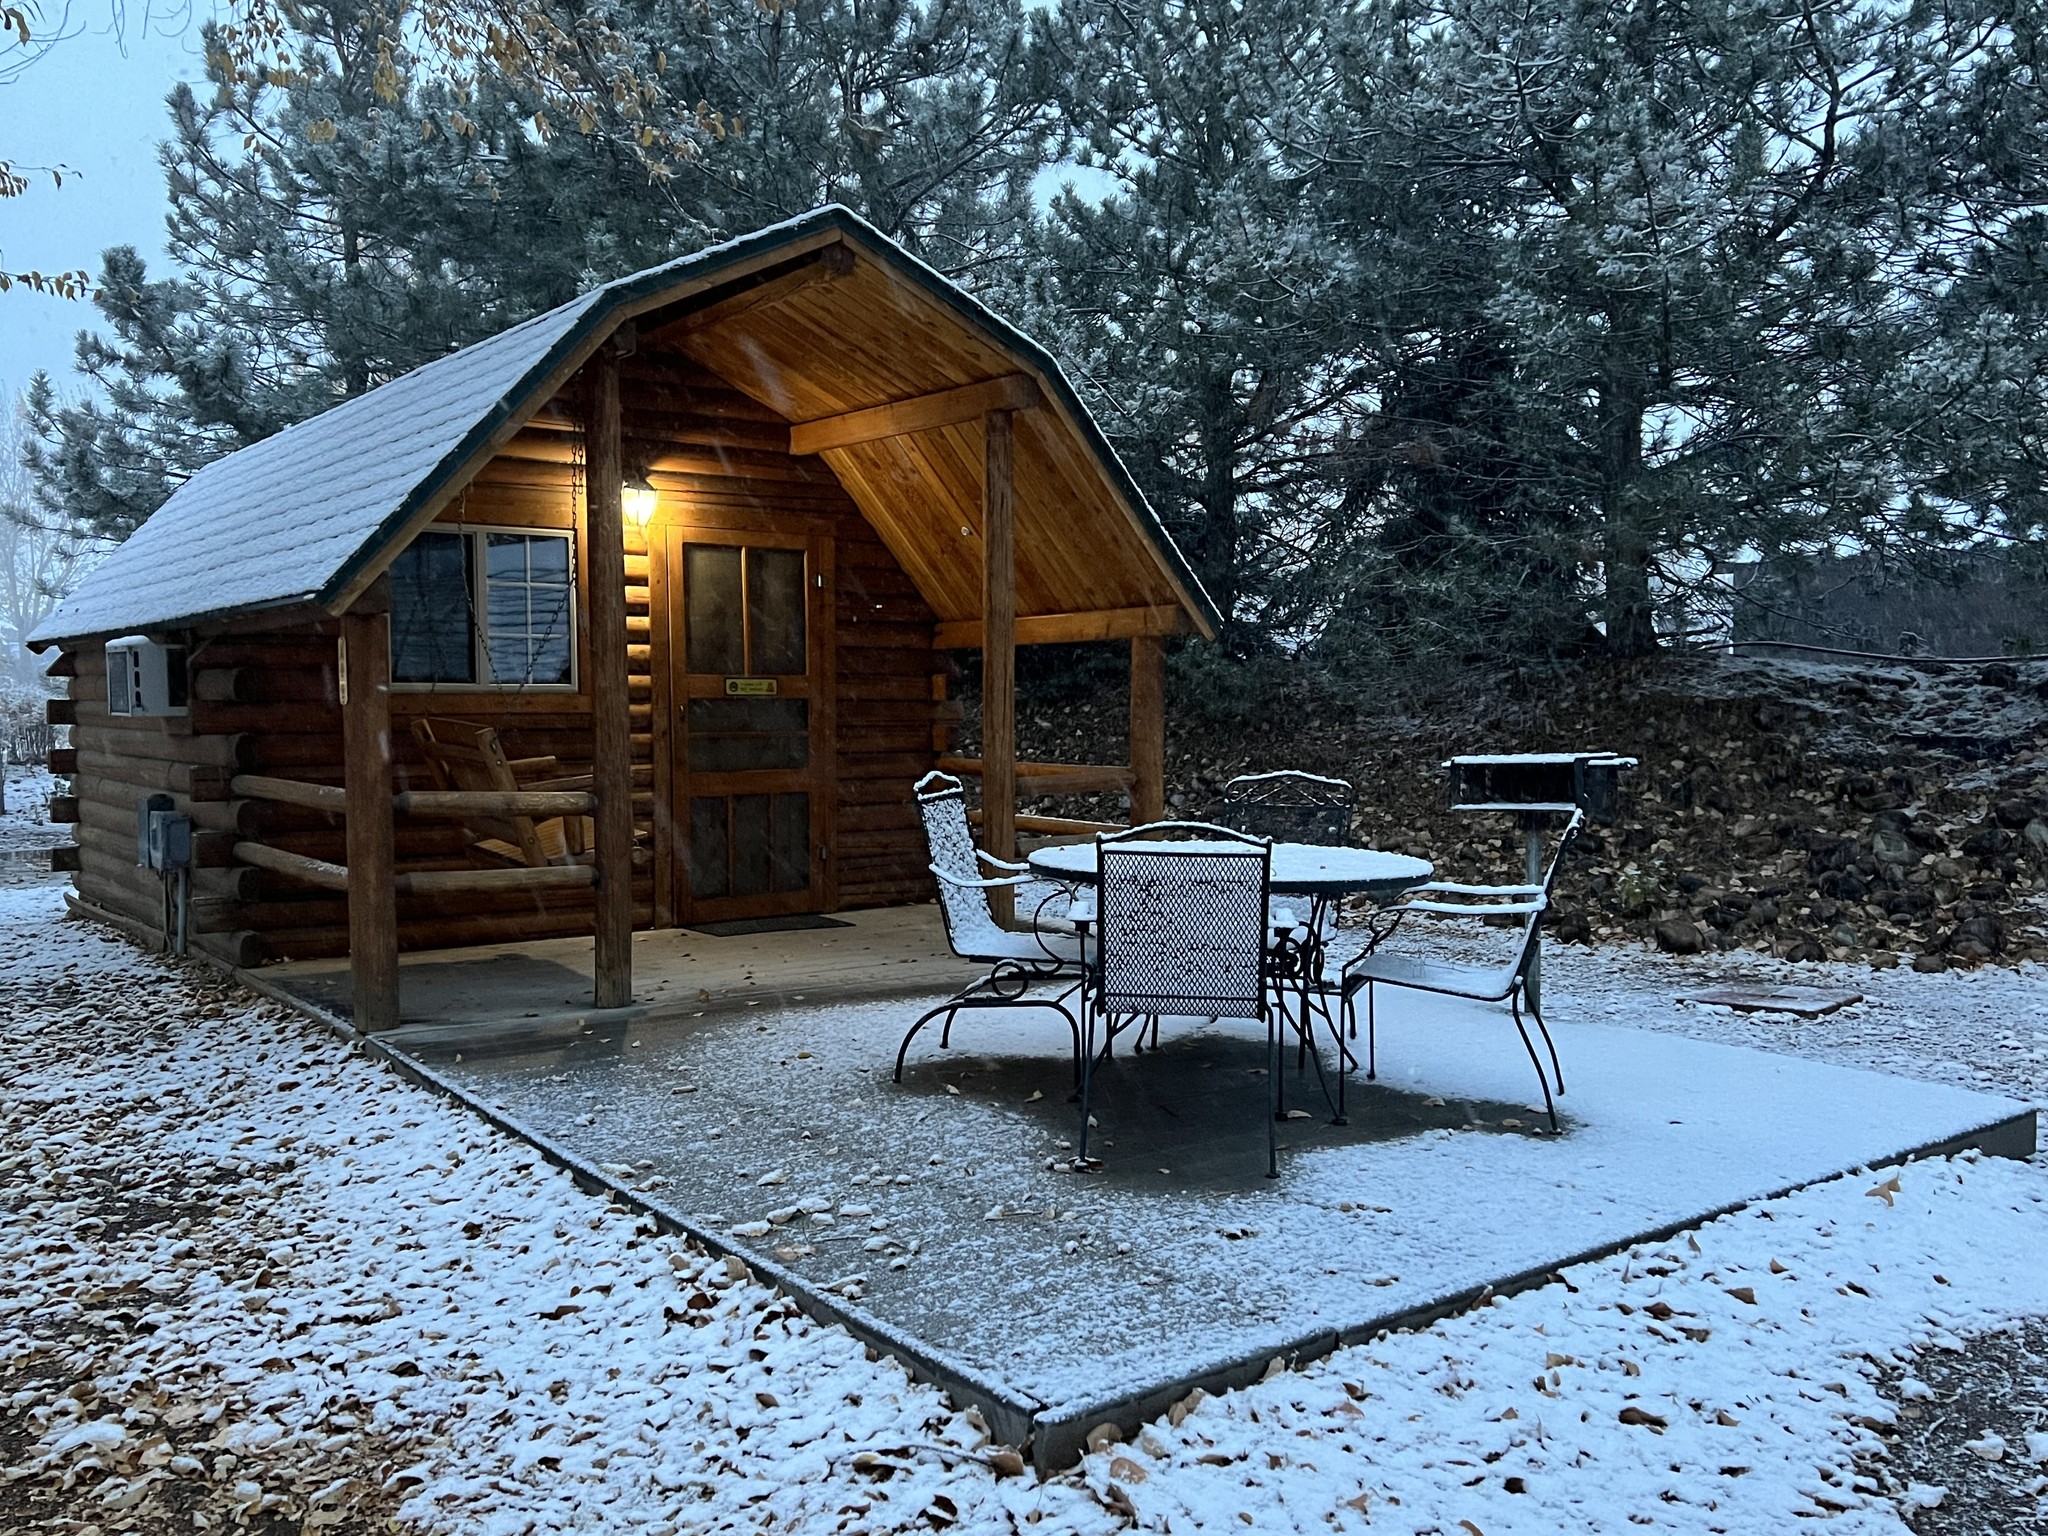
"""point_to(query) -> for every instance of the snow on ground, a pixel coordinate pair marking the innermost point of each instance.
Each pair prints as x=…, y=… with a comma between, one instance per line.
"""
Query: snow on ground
x=25, y=825
x=935, y=1205
x=1984, y=1028
x=248, y=1268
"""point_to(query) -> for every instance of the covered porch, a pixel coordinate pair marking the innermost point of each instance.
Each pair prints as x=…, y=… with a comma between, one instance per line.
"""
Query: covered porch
x=793, y=487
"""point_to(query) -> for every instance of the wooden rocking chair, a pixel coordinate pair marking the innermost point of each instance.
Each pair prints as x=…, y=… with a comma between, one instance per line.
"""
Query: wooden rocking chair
x=462, y=756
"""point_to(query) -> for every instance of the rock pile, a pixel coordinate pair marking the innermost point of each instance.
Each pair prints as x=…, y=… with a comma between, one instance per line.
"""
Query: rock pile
x=1807, y=811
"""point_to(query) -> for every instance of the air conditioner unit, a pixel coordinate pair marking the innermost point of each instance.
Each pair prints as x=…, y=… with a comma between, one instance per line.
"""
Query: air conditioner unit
x=145, y=677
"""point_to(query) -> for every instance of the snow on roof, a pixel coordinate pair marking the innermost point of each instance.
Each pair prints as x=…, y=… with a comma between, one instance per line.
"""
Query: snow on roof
x=291, y=519
x=272, y=524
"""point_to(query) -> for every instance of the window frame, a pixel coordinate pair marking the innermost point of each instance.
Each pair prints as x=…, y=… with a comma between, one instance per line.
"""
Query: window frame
x=476, y=558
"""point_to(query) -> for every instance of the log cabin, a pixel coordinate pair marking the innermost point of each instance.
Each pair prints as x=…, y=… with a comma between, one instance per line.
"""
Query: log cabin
x=634, y=615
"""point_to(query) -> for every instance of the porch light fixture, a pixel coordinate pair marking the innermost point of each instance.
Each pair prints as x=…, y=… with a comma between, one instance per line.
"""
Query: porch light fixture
x=637, y=498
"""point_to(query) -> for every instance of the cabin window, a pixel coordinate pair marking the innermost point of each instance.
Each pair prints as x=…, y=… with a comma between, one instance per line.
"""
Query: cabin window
x=484, y=608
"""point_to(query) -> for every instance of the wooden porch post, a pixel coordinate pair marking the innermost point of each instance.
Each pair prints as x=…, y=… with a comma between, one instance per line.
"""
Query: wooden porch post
x=999, y=648
x=610, y=712
x=365, y=681
x=1148, y=729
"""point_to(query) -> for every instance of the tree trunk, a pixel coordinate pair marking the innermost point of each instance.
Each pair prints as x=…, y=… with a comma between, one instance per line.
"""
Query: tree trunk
x=1216, y=541
x=1631, y=627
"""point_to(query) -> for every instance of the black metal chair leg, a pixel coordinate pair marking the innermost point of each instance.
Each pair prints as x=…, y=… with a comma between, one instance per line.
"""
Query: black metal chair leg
x=1515, y=1002
x=1273, y=1066
x=1087, y=1081
x=946, y=1034
x=1343, y=1074
x=1273, y=1090
x=1556, y=1071
x=1073, y=1028
x=949, y=1007
x=1372, y=1037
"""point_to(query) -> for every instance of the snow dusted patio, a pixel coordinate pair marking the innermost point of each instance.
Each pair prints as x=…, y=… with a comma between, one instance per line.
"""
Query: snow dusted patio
x=258, y=1278
x=752, y=1105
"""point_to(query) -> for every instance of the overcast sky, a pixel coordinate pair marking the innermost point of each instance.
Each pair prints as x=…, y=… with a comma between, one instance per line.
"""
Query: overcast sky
x=95, y=105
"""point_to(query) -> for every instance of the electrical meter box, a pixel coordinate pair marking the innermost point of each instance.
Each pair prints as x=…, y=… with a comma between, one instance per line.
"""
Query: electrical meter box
x=145, y=677
x=163, y=834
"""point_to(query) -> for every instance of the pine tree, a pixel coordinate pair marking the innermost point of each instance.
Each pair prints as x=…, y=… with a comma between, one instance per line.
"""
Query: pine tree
x=1196, y=299
x=1705, y=279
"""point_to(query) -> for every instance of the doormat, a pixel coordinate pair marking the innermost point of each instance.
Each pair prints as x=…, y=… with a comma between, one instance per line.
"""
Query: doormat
x=740, y=927
x=1805, y=1002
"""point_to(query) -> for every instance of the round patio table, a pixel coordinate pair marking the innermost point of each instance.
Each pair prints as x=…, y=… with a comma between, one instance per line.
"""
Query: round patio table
x=1299, y=869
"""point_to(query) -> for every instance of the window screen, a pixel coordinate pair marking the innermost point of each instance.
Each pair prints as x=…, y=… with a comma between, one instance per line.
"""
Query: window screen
x=741, y=735
x=526, y=604
x=713, y=622
x=480, y=606
x=744, y=610
x=775, y=610
x=431, y=621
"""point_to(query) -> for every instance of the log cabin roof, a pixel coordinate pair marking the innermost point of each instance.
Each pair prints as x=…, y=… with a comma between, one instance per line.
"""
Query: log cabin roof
x=307, y=518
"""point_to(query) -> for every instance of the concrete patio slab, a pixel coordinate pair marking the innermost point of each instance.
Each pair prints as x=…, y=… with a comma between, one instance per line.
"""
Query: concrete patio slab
x=926, y=1216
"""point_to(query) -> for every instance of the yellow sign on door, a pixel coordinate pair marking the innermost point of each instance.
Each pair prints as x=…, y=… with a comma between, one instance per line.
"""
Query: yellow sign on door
x=750, y=687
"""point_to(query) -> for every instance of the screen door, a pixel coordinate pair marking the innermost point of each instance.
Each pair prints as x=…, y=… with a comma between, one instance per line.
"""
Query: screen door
x=753, y=752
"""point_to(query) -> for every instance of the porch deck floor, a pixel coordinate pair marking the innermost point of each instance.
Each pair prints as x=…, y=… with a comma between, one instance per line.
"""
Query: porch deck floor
x=926, y=1214
x=542, y=988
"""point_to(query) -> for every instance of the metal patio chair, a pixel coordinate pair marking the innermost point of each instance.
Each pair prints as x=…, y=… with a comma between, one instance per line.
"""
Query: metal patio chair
x=1290, y=806
x=1505, y=983
x=1017, y=961
x=1180, y=928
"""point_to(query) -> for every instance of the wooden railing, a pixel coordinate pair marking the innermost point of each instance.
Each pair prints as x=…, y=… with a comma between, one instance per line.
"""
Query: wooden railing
x=446, y=803
x=1055, y=826
x=1053, y=778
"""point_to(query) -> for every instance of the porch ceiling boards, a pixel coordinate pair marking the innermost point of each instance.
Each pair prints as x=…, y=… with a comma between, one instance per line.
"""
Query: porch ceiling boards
x=867, y=337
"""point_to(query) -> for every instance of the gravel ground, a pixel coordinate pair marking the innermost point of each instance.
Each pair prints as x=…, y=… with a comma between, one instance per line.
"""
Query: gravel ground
x=1973, y=1424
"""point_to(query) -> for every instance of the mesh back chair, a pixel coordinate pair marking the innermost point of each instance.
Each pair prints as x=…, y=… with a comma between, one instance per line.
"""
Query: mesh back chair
x=1290, y=807
x=1181, y=929
x=1017, y=961
x=1506, y=983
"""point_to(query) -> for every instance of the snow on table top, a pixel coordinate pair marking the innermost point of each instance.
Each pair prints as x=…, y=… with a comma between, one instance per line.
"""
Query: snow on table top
x=1297, y=867
x=1536, y=759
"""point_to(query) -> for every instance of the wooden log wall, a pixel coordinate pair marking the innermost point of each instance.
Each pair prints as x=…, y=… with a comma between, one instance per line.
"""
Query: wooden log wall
x=285, y=722
x=265, y=701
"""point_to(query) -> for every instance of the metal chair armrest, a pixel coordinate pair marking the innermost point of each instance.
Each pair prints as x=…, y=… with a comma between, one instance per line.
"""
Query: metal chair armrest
x=1005, y=881
x=1475, y=909
x=1453, y=888
x=1008, y=864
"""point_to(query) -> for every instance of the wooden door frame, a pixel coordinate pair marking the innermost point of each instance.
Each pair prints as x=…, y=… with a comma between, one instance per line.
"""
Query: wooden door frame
x=674, y=906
